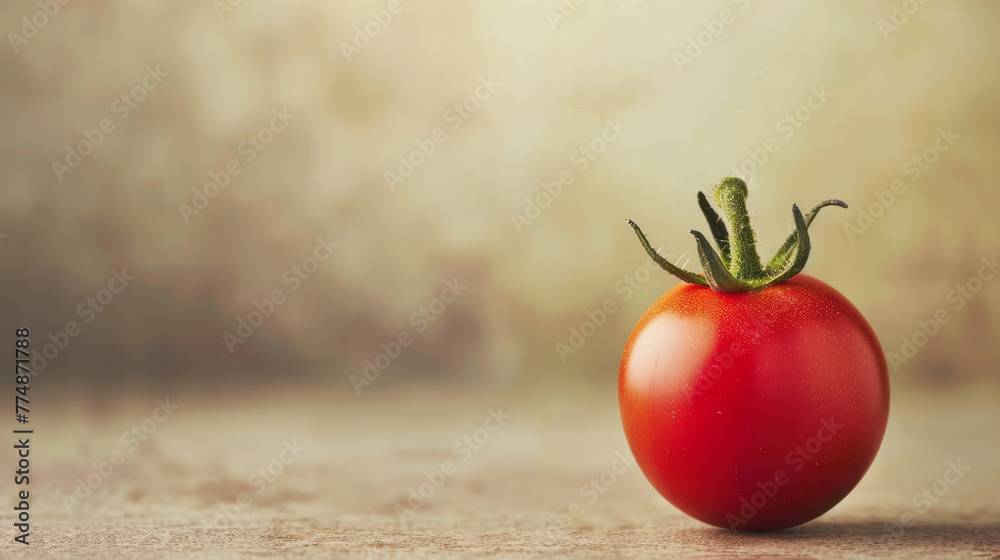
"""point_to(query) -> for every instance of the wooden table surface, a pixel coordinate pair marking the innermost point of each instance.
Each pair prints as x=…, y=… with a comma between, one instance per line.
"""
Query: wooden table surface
x=342, y=467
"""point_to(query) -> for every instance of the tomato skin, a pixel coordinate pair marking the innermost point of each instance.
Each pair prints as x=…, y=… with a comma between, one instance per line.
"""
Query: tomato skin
x=754, y=411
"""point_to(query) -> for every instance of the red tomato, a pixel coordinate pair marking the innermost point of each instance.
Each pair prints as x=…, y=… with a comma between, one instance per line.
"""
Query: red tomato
x=754, y=410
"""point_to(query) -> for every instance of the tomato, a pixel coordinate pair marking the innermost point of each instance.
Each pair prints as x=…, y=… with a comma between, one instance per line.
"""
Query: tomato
x=758, y=409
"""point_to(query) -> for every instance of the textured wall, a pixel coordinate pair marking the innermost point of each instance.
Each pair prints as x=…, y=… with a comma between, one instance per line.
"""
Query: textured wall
x=843, y=98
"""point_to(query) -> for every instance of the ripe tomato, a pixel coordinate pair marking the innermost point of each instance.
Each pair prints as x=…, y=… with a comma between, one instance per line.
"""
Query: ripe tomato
x=757, y=409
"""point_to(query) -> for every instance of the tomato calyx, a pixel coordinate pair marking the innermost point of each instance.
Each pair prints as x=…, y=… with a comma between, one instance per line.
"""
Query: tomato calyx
x=737, y=267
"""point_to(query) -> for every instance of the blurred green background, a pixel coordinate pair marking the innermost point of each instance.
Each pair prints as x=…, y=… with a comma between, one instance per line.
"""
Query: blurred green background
x=700, y=90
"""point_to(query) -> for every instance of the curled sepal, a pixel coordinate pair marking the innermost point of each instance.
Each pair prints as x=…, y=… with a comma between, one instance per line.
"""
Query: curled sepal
x=717, y=226
x=781, y=257
x=802, y=248
x=689, y=277
x=737, y=266
x=719, y=278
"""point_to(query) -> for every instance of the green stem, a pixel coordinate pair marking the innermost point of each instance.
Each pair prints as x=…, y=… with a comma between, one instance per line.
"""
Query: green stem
x=737, y=267
x=731, y=196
